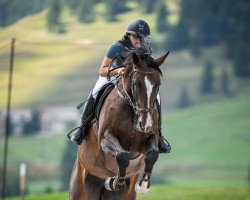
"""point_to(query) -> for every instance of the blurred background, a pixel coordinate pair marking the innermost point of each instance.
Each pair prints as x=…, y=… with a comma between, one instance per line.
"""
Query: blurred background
x=58, y=49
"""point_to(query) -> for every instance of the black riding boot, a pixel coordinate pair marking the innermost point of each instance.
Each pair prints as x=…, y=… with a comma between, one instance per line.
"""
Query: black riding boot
x=87, y=115
x=163, y=145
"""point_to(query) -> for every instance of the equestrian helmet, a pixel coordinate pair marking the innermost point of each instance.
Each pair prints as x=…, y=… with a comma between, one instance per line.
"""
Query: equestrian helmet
x=138, y=27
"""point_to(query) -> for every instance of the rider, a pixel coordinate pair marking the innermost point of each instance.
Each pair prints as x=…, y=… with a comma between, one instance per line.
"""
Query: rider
x=137, y=35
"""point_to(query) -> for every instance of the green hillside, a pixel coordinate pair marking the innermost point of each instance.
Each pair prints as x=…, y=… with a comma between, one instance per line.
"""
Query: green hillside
x=57, y=68
x=210, y=143
x=60, y=69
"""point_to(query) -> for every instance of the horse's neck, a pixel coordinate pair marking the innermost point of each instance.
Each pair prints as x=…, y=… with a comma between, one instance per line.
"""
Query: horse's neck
x=123, y=87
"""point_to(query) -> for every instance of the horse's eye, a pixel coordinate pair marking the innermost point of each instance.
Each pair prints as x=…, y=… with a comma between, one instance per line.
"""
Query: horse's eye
x=157, y=86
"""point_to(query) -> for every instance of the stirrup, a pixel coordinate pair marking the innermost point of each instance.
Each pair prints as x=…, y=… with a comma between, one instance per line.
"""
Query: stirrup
x=166, y=142
x=167, y=147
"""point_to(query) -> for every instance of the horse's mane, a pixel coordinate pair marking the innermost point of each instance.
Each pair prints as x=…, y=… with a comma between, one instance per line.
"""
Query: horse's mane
x=142, y=53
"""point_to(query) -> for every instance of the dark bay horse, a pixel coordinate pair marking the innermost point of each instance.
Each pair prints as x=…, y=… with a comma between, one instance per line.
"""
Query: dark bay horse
x=123, y=142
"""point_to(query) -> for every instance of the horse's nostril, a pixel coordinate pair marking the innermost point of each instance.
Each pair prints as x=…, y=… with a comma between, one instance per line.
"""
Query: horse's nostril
x=141, y=125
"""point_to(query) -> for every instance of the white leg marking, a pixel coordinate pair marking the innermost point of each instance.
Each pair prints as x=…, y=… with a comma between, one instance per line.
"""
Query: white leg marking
x=143, y=189
x=106, y=184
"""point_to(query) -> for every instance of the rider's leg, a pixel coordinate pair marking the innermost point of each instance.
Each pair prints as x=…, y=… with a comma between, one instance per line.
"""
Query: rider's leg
x=164, y=146
x=88, y=112
x=99, y=85
x=79, y=134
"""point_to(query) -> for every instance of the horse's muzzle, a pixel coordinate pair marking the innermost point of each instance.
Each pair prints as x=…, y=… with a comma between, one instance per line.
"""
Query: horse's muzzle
x=146, y=125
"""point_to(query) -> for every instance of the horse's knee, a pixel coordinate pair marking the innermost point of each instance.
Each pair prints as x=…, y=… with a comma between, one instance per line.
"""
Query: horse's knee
x=150, y=159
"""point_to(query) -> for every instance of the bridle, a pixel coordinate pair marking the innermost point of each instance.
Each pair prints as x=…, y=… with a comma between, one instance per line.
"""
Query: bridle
x=127, y=98
x=131, y=100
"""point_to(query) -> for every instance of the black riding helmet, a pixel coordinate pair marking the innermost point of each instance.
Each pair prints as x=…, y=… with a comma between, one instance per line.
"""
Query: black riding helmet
x=138, y=27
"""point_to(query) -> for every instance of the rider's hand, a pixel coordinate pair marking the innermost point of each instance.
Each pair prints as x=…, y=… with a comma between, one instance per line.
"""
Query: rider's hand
x=120, y=71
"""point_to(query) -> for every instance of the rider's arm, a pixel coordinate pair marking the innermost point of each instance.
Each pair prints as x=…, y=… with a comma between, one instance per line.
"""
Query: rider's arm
x=113, y=50
x=105, y=66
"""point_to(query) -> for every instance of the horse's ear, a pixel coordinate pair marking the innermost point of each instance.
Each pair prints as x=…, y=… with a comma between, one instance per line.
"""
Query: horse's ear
x=161, y=60
x=136, y=59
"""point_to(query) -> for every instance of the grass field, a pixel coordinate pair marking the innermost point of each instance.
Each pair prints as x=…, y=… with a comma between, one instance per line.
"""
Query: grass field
x=173, y=192
x=210, y=143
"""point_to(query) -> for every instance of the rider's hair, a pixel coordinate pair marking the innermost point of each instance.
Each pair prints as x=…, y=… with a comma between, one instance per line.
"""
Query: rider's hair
x=126, y=41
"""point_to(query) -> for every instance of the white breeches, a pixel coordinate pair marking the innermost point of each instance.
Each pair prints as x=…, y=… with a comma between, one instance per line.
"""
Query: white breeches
x=102, y=81
x=99, y=84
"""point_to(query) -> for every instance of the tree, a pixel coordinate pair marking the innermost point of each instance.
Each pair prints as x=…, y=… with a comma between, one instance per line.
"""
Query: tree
x=148, y=6
x=242, y=61
x=161, y=17
x=54, y=17
x=86, y=11
x=207, y=80
x=73, y=5
x=184, y=100
x=202, y=20
x=209, y=22
x=224, y=82
x=12, y=182
x=178, y=37
x=11, y=11
x=4, y=5
x=67, y=164
x=114, y=7
x=236, y=35
x=33, y=125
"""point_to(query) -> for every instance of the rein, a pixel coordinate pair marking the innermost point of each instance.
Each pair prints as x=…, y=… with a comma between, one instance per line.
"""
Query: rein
x=110, y=65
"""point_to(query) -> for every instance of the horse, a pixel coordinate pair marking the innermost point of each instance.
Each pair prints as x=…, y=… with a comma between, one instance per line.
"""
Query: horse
x=116, y=159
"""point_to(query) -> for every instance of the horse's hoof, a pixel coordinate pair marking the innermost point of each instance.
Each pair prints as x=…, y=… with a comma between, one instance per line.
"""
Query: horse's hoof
x=143, y=188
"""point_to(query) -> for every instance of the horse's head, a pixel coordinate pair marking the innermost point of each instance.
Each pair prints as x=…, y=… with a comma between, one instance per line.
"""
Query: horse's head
x=141, y=81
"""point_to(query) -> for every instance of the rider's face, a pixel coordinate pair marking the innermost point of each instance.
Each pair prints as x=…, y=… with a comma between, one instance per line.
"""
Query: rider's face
x=135, y=40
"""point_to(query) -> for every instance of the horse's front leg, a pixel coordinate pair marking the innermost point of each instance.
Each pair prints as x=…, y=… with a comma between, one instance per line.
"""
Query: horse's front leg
x=111, y=146
x=152, y=153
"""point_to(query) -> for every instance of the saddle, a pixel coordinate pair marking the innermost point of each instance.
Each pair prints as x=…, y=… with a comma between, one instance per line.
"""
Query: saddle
x=101, y=97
